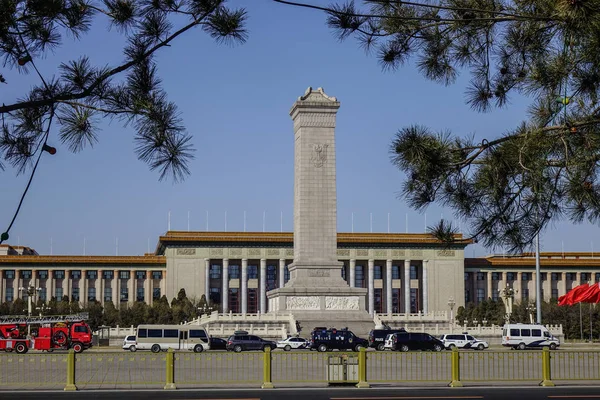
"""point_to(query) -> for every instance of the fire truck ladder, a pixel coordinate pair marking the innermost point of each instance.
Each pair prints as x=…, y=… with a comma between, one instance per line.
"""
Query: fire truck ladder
x=46, y=319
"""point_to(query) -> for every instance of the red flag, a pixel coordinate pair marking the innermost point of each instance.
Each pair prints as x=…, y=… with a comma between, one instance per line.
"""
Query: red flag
x=568, y=299
x=591, y=295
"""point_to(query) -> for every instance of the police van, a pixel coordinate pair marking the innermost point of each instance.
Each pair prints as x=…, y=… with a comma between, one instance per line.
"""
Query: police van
x=522, y=336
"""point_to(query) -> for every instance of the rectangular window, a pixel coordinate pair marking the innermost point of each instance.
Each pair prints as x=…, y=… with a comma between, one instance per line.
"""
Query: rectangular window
x=515, y=332
x=234, y=271
x=414, y=300
x=75, y=294
x=555, y=293
x=480, y=295
x=92, y=274
x=124, y=294
x=585, y=276
x=252, y=301
x=252, y=272
x=495, y=295
x=124, y=274
x=570, y=276
x=155, y=333
x=42, y=274
x=215, y=271
x=107, y=294
x=467, y=296
x=377, y=272
x=197, y=334
x=107, y=274
x=496, y=276
x=525, y=332
x=59, y=293
x=344, y=272
x=9, y=274
x=378, y=294
x=42, y=295
x=9, y=294
x=215, y=295
x=234, y=300
x=395, y=300
x=143, y=333
x=525, y=294
x=536, y=332
x=466, y=276
x=555, y=276
x=544, y=276
x=76, y=274
x=26, y=274
x=140, y=274
x=140, y=294
x=395, y=272
x=92, y=294
x=413, y=272
x=526, y=276
x=480, y=276
x=271, y=277
x=156, y=274
x=359, y=276
x=510, y=276
x=172, y=333
x=286, y=274
x=60, y=274
x=597, y=277
x=156, y=293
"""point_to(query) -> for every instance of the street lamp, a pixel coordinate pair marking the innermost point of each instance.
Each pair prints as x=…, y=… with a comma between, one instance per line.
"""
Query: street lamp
x=31, y=291
x=451, y=304
x=508, y=294
x=530, y=309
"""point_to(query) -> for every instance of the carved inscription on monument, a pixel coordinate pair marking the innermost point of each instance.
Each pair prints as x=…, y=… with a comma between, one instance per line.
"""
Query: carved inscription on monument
x=362, y=253
x=397, y=253
x=446, y=253
x=343, y=253
x=216, y=252
x=341, y=303
x=302, y=303
x=380, y=253
x=235, y=252
x=186, y=252
x=273, y=252
x=318, y=273
x=254, y=252
x=289, y=252
x=416, y=253
x=319, y=154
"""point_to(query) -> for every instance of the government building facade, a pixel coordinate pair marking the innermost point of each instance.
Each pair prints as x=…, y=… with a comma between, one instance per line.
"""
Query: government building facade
x=403, y=273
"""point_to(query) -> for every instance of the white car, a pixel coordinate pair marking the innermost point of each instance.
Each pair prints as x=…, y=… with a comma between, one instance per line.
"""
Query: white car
x=292, y=343
x=129, y=343
x=463, y=341
x=387, y=343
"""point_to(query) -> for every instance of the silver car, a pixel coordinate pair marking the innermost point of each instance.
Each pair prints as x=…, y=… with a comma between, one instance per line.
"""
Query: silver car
x=129, y=343
x=463, y=341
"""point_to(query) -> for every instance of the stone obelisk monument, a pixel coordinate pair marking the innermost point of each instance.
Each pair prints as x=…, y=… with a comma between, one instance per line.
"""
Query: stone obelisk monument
x=316, y=290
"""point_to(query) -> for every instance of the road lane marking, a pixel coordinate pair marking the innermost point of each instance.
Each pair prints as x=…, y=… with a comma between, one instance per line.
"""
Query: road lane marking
x=406, y=397
x=576, y=396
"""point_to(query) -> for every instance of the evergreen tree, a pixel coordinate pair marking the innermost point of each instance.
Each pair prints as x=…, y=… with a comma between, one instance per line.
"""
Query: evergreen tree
x=111, y=314
x=67, y=105
x=512, y=184
x=96, y=314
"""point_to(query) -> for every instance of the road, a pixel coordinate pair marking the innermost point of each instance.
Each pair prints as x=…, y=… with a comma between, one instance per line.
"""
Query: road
x=476, y=393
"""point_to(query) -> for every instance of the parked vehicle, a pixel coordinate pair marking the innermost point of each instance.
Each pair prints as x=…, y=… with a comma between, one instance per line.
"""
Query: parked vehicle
x=292, y=343
x=47, y=333
x=323, y=339
x=405, y=341
x=463, y=341
x=242, y=341
x=522, y=336
x=129, y=343
x=178, y=337
x=377, y=337
x=218, y=343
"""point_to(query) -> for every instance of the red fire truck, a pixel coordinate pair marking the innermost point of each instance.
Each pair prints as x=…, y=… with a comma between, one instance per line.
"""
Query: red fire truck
x=46, y=333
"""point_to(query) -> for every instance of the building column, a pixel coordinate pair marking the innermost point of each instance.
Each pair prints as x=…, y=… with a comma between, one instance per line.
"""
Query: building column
x=578, y=278
x=519, y=294
x=163, y=284
x=425, y=291
x=52, y=285
x=148, y=292
x=83, y=287
x=263, y=285
x=244, y=286
x=407, y=286
x=225, y=294
x=116, y=289
x=489, y=284
x=547, y=286
x=2, y=287
x=69, y=284
x=388, y=286
x=132, y=288
x=352, y=273
x=207, y=279
x=371, y=287
x=563, y=283
x=281, y=272
x=100, y=290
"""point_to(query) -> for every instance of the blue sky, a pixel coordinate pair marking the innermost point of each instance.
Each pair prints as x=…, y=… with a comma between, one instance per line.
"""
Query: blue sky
x=235, y=101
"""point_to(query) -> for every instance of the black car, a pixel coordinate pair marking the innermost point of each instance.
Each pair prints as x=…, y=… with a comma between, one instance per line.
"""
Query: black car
x=377, y=337
x=324, y=339
x=241, y=341
x=217, y=343
x=405, y=341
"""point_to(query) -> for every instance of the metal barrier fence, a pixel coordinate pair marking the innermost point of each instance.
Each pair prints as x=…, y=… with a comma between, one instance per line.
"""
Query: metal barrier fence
x=90, y=370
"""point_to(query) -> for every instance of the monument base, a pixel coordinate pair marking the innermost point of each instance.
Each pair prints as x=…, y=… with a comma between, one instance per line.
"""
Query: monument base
x=331, y=307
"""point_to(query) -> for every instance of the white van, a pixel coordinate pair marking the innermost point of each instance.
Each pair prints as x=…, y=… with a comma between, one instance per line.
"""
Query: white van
x=178, y=337
x=521, y=336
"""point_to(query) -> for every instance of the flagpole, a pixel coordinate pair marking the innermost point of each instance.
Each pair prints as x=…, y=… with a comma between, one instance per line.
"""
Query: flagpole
x=538, y=281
